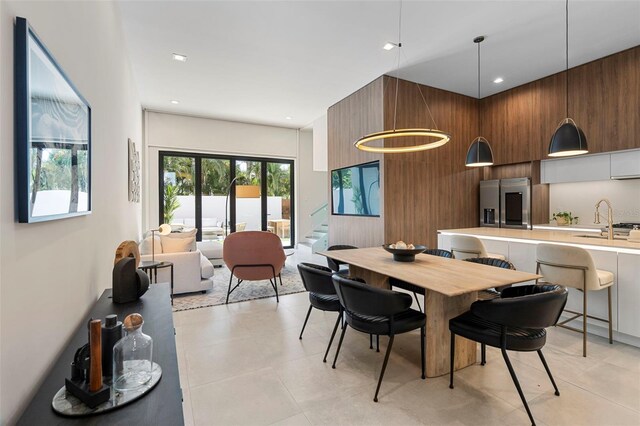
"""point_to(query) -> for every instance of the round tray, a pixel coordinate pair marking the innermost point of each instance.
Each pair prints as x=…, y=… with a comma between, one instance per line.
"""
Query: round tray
x=68, y=405
x=404, y=255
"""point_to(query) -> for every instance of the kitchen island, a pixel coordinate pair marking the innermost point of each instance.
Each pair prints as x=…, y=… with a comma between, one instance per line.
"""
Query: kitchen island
x=618, y=256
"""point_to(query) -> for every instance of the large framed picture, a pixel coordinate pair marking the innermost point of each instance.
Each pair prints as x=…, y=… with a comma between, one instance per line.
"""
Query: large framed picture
x=53, y=135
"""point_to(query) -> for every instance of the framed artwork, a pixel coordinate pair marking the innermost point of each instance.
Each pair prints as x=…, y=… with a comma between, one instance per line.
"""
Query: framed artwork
x=134, y=173
x=52, y=135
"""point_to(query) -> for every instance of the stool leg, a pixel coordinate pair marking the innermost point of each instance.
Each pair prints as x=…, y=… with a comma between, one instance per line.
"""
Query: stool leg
x=584, y=320
x=610, y=322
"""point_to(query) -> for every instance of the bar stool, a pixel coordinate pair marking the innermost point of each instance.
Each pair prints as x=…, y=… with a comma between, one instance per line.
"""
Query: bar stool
x=466, y=246
x=574, y=267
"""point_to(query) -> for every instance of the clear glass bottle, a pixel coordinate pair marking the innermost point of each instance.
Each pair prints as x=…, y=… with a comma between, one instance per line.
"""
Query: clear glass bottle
x=132, y=362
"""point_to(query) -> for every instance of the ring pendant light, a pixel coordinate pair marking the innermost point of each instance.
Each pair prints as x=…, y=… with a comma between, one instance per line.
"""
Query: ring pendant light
x=439, y=137
x=479, y=153
x=568, y=139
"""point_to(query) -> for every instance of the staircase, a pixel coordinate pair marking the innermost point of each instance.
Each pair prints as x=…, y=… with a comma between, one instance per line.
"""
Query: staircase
x=318, y=238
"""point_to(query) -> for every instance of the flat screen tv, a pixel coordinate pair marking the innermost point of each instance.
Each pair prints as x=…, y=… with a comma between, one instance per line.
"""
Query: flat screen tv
x=355, y=190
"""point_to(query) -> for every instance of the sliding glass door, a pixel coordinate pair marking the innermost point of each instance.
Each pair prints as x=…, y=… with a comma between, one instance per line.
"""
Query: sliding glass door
x=223, y=194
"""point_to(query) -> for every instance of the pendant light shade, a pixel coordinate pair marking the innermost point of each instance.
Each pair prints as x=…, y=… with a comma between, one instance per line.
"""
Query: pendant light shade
x=479, y=153
x=568, y=140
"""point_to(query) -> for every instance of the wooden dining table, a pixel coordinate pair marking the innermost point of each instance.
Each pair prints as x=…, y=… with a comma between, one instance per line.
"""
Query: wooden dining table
x=450, y=287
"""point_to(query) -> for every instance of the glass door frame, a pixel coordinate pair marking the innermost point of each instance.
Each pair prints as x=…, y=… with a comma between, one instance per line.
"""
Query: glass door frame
x=233, y=159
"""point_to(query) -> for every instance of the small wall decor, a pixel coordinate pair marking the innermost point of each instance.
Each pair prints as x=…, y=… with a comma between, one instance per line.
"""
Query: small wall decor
x=134, y=173
x=52, y=135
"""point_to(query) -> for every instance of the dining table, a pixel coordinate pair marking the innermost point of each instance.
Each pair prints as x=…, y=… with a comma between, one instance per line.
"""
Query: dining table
x=450, y=287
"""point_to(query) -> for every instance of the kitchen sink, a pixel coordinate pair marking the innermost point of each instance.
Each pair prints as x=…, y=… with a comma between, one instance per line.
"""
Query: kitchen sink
x=602, y=237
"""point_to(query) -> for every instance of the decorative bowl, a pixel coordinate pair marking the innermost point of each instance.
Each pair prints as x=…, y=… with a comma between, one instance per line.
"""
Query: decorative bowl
x=404, y=255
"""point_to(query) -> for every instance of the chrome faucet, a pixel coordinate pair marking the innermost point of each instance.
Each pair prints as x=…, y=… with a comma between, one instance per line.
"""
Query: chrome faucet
x=609, y=217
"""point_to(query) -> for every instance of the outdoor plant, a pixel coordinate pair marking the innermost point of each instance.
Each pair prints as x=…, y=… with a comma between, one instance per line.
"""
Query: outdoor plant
x=171, y=203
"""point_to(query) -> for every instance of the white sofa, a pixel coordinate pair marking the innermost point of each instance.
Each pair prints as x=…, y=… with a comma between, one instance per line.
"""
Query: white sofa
x=191, y=270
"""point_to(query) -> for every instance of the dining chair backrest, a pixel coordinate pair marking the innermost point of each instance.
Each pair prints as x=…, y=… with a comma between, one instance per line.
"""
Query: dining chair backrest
x=439, y=253
x=466, y=246
x=568, y=266
x=527, y=306
x=335, y=264
x=243, y=251
x=316, y=278
x=491, y=261
x=362, y=299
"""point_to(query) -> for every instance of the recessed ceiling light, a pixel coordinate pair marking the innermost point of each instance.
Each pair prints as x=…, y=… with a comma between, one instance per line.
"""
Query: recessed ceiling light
x=288, y=118
x=498, y=80
x=173, y=101
x=179, y=57
x=389, y=46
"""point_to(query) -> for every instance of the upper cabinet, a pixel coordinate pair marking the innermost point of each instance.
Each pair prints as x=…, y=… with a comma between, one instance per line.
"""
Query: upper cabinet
x=604, y=100
x=583, y=168
x=625, y=165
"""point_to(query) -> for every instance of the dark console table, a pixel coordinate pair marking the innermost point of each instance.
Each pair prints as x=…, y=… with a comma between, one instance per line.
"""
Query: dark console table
x=162, y=406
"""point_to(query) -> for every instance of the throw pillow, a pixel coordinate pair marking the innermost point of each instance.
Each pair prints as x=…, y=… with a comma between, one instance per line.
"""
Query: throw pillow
x=145, y=245
x=177, y=245
x=185, y=235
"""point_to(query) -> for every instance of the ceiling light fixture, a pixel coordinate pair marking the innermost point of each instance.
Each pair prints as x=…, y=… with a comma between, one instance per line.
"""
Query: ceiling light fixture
x=568, y=139
x=479, y=153
x=440, y=137
x=173, y=101
x=390, y=46
x=180, y=58
x=498, y=80
x=288, y=118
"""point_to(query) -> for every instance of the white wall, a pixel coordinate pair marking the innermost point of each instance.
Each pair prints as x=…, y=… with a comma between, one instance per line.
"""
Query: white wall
x=313, y=186
x=52, y=272
x=580, y=199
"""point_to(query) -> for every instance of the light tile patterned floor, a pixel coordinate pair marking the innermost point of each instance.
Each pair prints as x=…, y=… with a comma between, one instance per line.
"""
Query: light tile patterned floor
x=243, y=364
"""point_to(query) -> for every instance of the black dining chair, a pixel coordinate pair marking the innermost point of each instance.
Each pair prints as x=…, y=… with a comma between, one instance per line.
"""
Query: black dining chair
x=378, y=311
x=394, y=282
x=335, y=264
x=490, y=293
x=322, y=295
x=514, y=321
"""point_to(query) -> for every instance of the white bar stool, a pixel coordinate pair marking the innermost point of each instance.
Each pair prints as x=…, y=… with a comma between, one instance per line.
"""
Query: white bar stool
x=574, y=267
x=466, y=246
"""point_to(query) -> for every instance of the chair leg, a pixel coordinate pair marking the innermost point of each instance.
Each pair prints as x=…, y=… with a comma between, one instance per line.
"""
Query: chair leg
x=275, y=287
x=483, y=354
x=370, y=341
x=344, y=330
x=517, y=383
x=377, y=343
x=546, y=367
x=384, y=367
x=333, y=334
x=610, y=322
x=584, y=321
x=453, y=358
x=280, y=277
x=422, y=354
x=417, y=301
x=305, y=321
x=229, y=289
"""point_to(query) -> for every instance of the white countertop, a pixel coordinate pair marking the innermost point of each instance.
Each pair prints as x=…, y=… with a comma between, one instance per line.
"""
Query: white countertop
x=548, y=236
x=588, y=227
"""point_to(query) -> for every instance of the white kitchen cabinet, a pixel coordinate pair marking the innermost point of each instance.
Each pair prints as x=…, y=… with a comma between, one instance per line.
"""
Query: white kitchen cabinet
x=576, y=169
x=625, y=164
x=629, y=294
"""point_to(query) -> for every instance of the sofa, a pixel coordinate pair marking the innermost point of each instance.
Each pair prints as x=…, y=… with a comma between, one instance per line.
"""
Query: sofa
x=192, y=271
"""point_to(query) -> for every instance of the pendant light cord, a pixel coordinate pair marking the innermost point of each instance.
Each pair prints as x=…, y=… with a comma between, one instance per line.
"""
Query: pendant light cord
x=479, y=70
x=395, y=107
x=566, y=41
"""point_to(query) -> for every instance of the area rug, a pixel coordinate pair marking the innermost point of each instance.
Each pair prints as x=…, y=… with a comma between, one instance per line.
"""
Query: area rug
x=248, y=290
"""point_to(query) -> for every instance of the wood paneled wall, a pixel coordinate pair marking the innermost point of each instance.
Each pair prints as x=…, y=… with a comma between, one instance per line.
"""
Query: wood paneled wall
x=604, y=100
x=429, y=190
x=351, y=118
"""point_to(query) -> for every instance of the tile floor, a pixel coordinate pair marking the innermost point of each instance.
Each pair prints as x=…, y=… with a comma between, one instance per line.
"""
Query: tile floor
x=243, y=364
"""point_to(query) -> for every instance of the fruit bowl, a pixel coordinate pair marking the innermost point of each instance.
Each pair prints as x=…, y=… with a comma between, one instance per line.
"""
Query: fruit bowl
x=404, y=255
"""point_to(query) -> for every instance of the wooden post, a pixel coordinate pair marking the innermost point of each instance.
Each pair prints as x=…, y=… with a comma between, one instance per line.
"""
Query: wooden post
x=95, y=349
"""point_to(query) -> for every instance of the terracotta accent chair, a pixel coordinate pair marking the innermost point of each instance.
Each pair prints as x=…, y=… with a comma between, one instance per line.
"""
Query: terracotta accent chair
x=254, y=256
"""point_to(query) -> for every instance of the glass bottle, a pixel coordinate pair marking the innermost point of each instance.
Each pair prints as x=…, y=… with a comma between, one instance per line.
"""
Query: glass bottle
x=132, y=364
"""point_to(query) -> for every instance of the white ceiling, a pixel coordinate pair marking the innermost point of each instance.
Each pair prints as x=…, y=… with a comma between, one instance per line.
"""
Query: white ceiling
x=262, y=61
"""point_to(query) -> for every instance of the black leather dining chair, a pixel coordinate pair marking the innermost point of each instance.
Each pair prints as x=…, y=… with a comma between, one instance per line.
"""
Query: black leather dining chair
x=490, y=293
x=439, y=252
x=322, y=295
x=335, y=264
x=516, y=321
x=378, y=311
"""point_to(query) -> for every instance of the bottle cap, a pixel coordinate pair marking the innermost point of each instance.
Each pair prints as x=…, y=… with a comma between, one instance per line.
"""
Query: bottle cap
x=111, y=320
x=133, y=322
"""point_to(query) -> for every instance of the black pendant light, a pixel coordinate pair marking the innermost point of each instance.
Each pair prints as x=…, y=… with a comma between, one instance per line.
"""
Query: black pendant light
x=479, y=153
x=568, y=139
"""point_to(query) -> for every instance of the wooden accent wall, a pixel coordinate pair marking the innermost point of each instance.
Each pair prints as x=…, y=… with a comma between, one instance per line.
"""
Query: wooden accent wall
x=351, y=118
x=604, y=100
x=433, y=189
